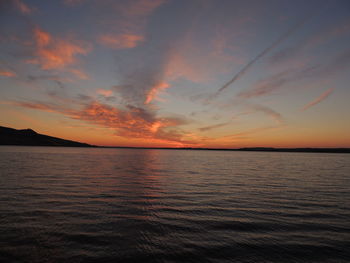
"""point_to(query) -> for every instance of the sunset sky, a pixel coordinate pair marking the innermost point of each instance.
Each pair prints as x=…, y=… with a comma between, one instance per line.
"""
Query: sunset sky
x=178, y=73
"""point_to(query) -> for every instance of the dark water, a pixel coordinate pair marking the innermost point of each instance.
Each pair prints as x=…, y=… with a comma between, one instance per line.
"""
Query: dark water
x=125, y=205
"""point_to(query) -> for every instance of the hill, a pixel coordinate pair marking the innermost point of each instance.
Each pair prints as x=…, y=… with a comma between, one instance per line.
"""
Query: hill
x=10, y=136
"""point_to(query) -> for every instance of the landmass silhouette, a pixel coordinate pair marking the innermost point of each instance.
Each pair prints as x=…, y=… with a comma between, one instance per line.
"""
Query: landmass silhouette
x=28, y=137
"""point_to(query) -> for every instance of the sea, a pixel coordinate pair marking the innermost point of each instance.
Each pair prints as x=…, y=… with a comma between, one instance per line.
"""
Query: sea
x=62, y=204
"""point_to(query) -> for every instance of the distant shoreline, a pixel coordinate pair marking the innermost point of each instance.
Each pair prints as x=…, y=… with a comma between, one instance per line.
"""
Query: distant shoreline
x=259, y=149
x=252, y=149
x=28, y=137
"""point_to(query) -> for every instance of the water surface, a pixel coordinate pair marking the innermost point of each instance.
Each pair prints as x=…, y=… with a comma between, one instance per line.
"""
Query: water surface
x=138, y=205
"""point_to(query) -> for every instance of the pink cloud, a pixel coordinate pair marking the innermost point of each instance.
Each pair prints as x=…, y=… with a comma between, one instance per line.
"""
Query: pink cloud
x=121, y=41
x=22, y=7
x=153, y=92
x=78, y=73
x=269, y=112
x=320, y=98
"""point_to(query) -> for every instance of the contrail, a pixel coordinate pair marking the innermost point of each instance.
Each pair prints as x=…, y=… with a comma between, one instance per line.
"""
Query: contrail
x=263, y=53
x=320, y=98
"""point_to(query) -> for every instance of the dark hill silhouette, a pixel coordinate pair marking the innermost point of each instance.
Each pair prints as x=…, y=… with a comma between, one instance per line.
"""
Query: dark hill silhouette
x=9, y=136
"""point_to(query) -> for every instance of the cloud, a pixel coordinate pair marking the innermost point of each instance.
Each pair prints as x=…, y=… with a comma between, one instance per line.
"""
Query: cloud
x=22, y=7
x=134, y=122
x=121, y=41
x=141, y=80
x=274, y=44
x=6, y=73
x=320, y=98
x=78, y=73
x=266, y=86
x=141, y=74
x=173, y=52
x=153, y=92
x=211, y=127
x=256, y=108
x=336, y=65
x=35, y=106
x=128, y=122
x=330, y=33
x=105, y=93
x=55, y=53
x=126, y=20
x=55, y=78
x=252, y=131
x=269, y=112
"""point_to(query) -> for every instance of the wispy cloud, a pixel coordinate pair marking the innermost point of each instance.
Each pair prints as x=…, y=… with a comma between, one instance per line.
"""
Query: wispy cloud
x=267, y=86
x=141, y=7
x=79, y=73
x=35, y=106
x=121, y=41
x=22, y=7
x=141, y=74
x=211, y=127
x=105, y=93
x=262, y=54
x=7, y=73
x=126, y=20
x=59, y=81
x=269, y=112
x=320, y=98
x=244, y=134
x=140, y=86
x=154, y=91
x=325, y=34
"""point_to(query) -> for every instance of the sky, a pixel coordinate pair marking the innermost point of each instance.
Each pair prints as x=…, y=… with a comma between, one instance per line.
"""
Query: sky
x=178, y=73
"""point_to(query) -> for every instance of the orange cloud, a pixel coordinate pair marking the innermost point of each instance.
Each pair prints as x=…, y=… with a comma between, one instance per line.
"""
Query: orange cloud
x=42, y=38
x=152, y=94
x=133, y=123
x=104, y=92
x=121, y=41
x=320, y=98
x=55, y=53
x=6, y=73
